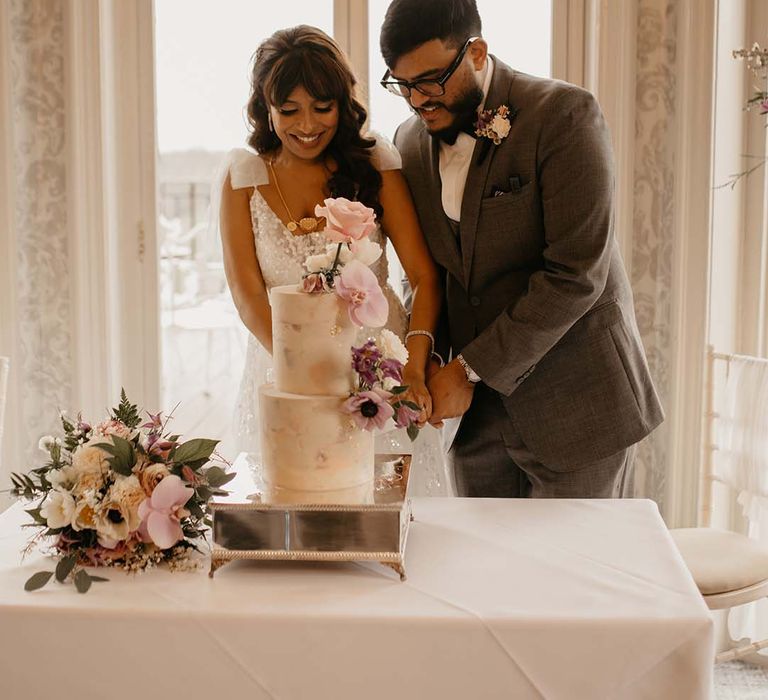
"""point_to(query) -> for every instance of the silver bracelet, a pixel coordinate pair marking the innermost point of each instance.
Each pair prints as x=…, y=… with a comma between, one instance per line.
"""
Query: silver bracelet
x=411, y=334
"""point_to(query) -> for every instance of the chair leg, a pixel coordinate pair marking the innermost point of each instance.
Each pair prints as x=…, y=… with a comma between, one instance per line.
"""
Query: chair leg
x=740, y=652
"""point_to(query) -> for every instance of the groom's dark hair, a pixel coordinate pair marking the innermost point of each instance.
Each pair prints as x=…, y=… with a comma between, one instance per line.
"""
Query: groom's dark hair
x=410, y=23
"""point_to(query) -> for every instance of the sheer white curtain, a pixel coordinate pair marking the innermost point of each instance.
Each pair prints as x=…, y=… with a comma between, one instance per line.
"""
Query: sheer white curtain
x=742, y=461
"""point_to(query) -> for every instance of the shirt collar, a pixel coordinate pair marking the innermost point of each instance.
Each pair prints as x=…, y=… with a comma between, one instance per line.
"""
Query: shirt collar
x=486, y=81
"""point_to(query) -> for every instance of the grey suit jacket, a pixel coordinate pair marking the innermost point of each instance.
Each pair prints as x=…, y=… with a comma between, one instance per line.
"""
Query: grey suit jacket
x=537, y=298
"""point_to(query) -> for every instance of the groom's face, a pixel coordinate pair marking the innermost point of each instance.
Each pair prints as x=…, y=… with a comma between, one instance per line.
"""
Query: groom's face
x=463, y=94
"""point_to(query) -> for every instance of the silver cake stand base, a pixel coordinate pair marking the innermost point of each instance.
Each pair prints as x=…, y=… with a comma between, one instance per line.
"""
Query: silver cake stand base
x=256, y=523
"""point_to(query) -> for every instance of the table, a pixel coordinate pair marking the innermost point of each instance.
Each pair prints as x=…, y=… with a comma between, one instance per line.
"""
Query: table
x=515, y=599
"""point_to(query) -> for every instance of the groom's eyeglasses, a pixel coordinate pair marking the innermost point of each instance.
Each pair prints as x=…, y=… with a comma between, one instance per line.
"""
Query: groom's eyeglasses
x=433, y=87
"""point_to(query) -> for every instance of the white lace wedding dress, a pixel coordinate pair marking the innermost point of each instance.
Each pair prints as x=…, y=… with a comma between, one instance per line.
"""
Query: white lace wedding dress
x=281, y=256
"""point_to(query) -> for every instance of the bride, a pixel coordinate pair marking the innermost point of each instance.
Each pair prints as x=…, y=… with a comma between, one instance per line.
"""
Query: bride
x=307, y=143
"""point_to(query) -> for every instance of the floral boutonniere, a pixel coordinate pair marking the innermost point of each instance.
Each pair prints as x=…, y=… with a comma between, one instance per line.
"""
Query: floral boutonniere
x=494, y=124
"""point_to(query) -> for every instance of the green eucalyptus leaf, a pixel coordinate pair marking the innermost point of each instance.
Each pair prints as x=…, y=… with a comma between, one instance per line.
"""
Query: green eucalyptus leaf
x=413, y=431
x=65, y=566
x=412, y=405
x=97, y=579
x=216, y=476
x=123, y=457
x=35, y=513
x=38, y=580
x=398, y=390
x=194, y=450
x=82, y=581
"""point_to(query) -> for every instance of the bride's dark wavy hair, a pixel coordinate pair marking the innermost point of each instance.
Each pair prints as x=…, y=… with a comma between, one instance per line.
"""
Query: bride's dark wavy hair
x=306, y=56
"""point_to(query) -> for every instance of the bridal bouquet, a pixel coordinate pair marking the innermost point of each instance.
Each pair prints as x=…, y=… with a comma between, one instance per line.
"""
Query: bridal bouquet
x=345, y=266
x=380, y=386
x=122, y=493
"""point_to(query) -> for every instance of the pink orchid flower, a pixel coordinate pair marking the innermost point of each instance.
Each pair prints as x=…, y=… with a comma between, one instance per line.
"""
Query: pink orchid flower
x=369, y=409
x=345, y=220
x=366, y=303
x=161, y=512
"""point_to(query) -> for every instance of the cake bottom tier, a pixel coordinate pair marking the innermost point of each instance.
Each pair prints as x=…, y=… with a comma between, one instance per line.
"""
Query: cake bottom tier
x=309, y=445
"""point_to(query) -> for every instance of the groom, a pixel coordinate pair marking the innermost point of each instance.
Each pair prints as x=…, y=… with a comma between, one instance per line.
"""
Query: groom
x=548, y=370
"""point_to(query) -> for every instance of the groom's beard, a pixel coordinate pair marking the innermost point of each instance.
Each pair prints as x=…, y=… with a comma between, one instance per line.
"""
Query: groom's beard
x=464, y=111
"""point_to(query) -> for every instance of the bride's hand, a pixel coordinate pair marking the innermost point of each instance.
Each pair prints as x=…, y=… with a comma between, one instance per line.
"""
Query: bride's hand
x=419, y=394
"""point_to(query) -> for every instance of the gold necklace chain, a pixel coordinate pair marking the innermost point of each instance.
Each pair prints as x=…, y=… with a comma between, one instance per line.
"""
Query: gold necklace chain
x=305, y=225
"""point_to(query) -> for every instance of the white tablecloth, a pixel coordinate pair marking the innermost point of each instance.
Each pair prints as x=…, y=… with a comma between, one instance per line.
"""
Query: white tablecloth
x=505, y=599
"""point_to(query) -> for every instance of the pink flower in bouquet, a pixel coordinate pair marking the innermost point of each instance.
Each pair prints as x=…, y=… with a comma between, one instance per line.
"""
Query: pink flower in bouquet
x=366, y=303
x=161, y=512
x=113, y=427
x=345, y=220
x=369, y=409
x=405, y=415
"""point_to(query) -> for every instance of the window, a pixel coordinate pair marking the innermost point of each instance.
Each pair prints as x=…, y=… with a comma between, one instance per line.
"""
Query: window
x=203, y=52
x=519, y=32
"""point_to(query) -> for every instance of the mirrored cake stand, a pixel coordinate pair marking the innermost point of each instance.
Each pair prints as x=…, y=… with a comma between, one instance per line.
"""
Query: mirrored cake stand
x=369, y=524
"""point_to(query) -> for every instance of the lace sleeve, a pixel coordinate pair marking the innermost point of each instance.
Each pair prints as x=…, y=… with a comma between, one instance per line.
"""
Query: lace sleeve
x=385, y=155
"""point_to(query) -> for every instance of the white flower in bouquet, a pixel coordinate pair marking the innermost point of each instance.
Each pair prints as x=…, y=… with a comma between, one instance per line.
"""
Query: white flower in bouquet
x=111, y=522
x=345, y=254
x=85, y=516
x=47, y=442
x=128, y=494
x=58, y=509
x=90, y=459
x=63, y=479
x=90, y=466
x=392, y=347
x=366, y=251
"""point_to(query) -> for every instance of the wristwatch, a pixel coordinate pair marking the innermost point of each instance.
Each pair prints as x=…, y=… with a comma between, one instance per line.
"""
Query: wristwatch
x=472, y=376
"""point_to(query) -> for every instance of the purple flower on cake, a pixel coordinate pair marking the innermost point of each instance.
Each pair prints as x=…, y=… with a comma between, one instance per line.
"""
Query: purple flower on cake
x=366, y=303
x=369, y=409
x=365, y=361
x=345, y=220
x=160, y=514
x=392, y=369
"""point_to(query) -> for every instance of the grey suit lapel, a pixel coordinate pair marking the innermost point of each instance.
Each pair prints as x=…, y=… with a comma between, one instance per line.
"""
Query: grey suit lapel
x=430, y=154
x=498, y=94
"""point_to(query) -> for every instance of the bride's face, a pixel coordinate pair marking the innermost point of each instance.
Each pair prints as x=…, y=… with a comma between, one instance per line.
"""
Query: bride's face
x=304, y=124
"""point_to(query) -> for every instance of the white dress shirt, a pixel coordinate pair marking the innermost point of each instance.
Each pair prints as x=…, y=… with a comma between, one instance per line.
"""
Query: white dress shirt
x=455, y=159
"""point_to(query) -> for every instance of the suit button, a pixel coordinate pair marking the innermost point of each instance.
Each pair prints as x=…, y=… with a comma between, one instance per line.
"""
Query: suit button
x=475, y=301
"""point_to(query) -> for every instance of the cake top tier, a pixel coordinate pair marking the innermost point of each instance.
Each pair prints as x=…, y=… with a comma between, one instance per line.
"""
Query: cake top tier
x=312, y=339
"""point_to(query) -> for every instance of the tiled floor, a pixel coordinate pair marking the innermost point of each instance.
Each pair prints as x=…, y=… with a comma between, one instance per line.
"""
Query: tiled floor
x=741, y=681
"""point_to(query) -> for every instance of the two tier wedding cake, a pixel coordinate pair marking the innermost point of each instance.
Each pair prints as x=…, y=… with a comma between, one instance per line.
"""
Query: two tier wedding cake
x=328, y=396
x=312, y=450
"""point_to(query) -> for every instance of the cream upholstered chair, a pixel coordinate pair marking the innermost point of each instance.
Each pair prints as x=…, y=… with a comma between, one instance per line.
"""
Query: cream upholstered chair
x=730, y=568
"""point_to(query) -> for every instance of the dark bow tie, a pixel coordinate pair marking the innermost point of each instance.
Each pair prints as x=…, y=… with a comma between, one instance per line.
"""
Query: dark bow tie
x=466, y=128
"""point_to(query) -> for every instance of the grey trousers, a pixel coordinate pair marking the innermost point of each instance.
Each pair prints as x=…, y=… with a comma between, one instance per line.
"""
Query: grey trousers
x=490, y=460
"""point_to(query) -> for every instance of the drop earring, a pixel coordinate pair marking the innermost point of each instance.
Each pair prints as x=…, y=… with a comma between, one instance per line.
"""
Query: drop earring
x=269, y=121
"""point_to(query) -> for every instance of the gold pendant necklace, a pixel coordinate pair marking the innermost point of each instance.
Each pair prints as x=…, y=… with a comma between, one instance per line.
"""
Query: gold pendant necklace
x=305, y=225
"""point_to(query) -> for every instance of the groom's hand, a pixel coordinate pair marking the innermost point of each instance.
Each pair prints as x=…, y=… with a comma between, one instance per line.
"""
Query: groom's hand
x=451, y=393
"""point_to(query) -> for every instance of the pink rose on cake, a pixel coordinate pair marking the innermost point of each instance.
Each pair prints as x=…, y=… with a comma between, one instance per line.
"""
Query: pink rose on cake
x=345, y=220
